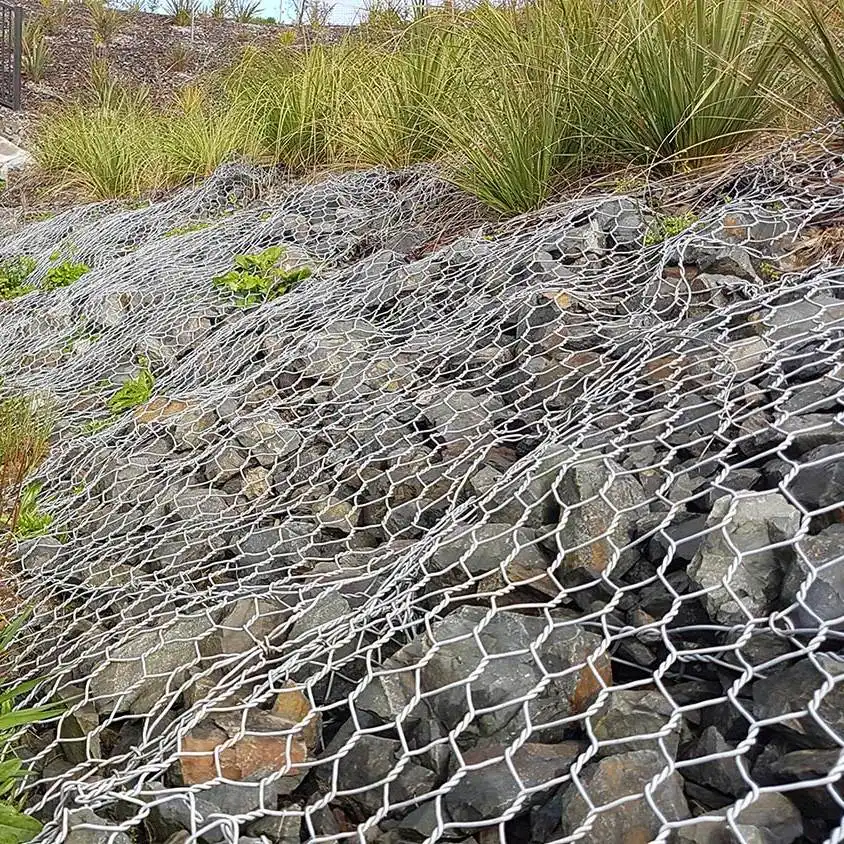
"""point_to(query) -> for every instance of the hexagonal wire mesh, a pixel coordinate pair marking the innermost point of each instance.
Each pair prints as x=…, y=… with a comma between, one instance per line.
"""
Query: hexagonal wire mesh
x=535, y=536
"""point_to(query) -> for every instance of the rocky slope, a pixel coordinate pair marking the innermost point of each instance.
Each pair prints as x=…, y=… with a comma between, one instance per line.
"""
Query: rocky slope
x=532, y=536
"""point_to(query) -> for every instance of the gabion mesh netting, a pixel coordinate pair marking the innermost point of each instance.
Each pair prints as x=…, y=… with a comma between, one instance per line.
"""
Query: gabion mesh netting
x=535, y=536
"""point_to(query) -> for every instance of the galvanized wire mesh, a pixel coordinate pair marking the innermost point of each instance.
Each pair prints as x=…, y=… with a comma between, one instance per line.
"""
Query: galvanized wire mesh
x=531, y=537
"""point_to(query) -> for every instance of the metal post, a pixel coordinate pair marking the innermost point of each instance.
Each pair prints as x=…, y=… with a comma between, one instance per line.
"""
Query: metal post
x=17, y=41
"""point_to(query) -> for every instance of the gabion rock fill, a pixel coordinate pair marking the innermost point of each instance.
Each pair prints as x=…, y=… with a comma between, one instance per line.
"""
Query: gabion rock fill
x=531, y=536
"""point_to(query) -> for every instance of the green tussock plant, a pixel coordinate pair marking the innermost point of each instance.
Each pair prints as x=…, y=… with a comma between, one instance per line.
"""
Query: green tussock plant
x=244, y=11
x=35, y=53
x=258, y=278
x=667, y=227
x=63, y=275
x=106, y=151
x=294, y=101
x=105, y=21
x=202, y=133
x=53, y=14
x=697, y=79
x=813, y=37
x=136, y=391
x=181, y=11
x=423, y=85
x=14, y=273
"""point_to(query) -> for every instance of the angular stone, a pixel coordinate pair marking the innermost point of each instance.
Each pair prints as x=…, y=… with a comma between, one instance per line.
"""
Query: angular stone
x=789, y=320
x=485, y=793
x=225, y=464
x=268, y=437
x=739, y=554
x=85, y=827
x=460, y=417
x=268, y=744
x=336, y=514
x=369, y=762
x=291, y=705
x=771, y=819
x=791, y=690
x=248, y=623
x=78, y=730
x=135, y=675
x=327, y=352
x=628, y=716
x=616, y=777
x=279, y=829
x=726, y=260
x=819, y=560
x=600, y=505
x=721, y=773
x=510, y=639
x=490, y=548
x=819, y=483
x=328, y=608
x=256, y=483
x=273, y=551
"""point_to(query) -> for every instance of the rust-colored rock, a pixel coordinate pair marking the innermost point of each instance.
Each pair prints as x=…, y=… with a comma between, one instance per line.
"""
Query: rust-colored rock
x=159, y=408
x=267, y=745
x=294, y=707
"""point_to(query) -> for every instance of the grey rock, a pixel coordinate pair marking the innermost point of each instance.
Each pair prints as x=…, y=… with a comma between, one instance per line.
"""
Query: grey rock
x=791, y=690
x=600, y=502
x=681, y=539
x=628, y=716
x=82, y=824
x=490, y=548
x=624, y=219
x=257, y=483
x=771, y=819
x=819, y=483
x=369, y=762
x=279, y=829
x=812, y=430
x=721, y=773
x=78, y=729
x=485, y=793
x=249, y=622
x=335, y=513
x=818, y=560
x=268, y=436
x=138, y=673
x=790, y=320
x=272, y=551
x=225, y=464
x=726, y=260
x=754, y=574
x=460, y=417
x=329, y=607
x=327, y=352
x=195, y=503
x=510, y=638
x=172, y=816
x=619, y=776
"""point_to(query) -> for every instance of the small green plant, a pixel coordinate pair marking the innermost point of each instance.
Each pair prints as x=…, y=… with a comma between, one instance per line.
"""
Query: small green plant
x=34, y=52
x=31, y=521
x=105, y=21
x=769, y=271
x=664, y=228
x=137, y=390
x=54, y=14
x=13, y=275
x=287, y=38
x=187, y=229
x=15, y=826
x=258, y=278
x=63, y=275
x=218, y=9
x=179, y=57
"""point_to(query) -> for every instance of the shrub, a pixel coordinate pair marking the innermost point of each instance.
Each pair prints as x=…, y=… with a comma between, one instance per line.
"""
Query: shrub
x=34, y=52
x=105, y=20
x=63, y=275
x=258, y=278
x=219, y=8
x=14, y=273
